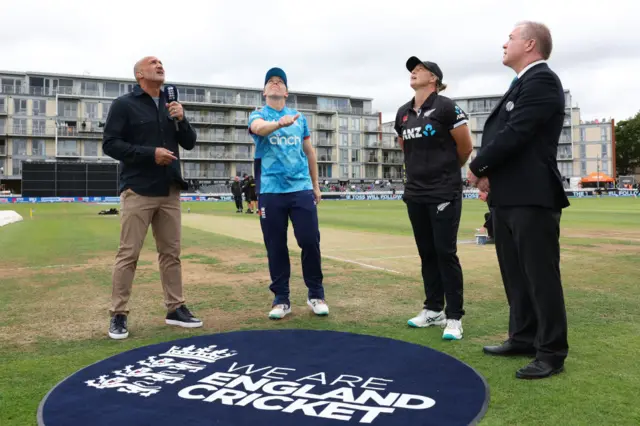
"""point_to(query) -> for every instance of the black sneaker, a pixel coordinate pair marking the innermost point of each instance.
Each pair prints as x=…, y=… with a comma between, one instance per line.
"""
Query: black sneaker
x=183, y=318
x=118, y=327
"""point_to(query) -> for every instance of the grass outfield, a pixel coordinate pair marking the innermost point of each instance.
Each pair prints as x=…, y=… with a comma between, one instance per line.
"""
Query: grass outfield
x=55, y=286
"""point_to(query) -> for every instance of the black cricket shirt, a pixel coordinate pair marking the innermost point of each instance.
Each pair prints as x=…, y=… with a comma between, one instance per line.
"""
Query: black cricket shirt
x=432, y=170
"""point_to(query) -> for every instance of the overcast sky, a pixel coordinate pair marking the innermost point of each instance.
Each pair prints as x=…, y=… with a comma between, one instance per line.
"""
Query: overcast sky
x=349, y=47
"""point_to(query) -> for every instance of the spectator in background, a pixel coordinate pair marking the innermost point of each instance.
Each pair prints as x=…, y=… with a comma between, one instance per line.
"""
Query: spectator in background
x=236, y=191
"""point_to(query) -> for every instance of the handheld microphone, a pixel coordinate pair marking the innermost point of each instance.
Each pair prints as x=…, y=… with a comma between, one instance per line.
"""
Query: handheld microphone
x=171, y=94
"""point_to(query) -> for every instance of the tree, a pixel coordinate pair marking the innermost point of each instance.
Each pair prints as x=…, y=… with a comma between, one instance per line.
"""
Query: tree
x=628, y=146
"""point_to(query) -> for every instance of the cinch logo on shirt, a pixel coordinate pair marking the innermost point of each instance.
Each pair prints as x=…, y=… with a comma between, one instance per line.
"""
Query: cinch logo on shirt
x=411, y=133
x=277, y=139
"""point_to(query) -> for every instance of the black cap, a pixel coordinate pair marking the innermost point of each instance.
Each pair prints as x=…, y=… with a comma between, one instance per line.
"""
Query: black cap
x=413, y=62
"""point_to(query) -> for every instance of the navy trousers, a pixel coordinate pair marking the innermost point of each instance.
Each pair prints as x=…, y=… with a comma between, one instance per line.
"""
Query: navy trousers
x=275, y=212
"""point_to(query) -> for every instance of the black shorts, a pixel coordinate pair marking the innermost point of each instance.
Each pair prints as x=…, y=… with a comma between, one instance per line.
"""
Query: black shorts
x=257, y=169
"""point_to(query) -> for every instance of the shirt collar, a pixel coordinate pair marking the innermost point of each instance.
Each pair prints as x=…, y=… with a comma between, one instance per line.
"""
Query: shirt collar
x=427, y=102
x=531, y=65
x=137, y=91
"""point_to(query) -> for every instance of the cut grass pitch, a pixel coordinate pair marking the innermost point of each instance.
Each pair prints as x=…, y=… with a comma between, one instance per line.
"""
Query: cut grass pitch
x=55, y=285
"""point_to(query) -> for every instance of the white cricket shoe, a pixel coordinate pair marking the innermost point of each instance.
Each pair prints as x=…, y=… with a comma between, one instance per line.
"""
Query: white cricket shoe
x=453, y=330
x=279, y=311
x=318, y=306
x=427, y=318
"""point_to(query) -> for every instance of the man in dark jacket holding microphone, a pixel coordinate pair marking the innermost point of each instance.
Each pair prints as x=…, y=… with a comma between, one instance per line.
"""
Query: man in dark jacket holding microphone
x=141, y=133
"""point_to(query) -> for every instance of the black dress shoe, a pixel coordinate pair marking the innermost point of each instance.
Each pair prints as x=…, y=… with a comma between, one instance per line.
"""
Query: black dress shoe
x=509, y=349
x=538, y=370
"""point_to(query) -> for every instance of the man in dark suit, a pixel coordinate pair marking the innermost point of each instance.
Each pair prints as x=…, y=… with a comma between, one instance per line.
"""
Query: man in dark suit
x=517, y=164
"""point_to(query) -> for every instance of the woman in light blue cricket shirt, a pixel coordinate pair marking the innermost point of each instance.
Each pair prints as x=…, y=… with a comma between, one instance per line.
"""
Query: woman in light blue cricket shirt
x=288, y=182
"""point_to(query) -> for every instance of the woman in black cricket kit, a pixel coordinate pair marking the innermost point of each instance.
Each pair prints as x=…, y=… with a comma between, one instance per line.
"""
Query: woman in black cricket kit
x=434, y=136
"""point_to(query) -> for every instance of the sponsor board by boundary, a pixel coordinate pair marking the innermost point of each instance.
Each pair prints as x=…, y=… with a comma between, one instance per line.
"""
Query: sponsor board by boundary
x=336, y=196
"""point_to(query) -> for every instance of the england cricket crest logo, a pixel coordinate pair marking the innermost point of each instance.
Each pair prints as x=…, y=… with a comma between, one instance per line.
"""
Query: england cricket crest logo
x=123, y=385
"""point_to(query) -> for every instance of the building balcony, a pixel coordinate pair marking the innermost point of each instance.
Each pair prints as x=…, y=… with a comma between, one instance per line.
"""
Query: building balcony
x=73, y=92
x=372, y=129
x=3, y=150
x=73, y=132
x=564, y=157
x=372, y=160
x=391, y=145
x=324, y=142
x=213, y=155
x=392, y=160
x=223, y=139
x=392, y=175
x=326, y=159
x=206, y=174
x=12, y=90
x=68, y=153
x=3, y=109
x=25, y=131
x=372, y=145
x=205, y=120
x=325, y=126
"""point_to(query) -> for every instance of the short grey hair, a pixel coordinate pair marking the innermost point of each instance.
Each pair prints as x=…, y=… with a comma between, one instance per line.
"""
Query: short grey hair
x=540, y=33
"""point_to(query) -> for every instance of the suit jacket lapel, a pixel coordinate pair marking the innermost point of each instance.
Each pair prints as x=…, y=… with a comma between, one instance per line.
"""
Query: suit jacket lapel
x=504, y=97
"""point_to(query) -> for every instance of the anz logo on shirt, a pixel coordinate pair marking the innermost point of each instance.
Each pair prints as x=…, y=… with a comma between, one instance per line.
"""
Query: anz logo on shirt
x=459, y=113
x=417, y=132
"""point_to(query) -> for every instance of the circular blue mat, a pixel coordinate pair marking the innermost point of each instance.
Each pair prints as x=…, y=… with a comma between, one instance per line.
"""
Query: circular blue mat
x=276, y=377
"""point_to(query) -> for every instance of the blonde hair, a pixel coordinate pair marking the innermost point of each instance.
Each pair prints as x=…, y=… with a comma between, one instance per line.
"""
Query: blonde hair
x=440, y=86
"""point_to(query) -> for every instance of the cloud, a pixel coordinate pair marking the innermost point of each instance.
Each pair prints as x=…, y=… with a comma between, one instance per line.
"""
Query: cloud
x=356, y=48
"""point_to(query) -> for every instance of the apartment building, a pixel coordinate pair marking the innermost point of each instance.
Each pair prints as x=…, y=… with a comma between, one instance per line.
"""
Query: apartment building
x=54, y=117
x=584, y=146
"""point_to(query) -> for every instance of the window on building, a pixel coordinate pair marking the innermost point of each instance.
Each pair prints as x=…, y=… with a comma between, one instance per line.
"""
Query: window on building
x=16, y=167
x=605, y=167
x=344, y=155
x=355, y=172
x=603, y=133
x=68, y=109
x=355, y=156
x=355, y=139
x=20, y=126
x=19, y=147
x=344, y=123
x=344, y=139
x=242, y=168
x=583, y=134
x=112, y=90
x=105, y=109
x=344, y=171
x=20, y=106
x=39, y=107
x=38, y=127
x=583, y=167
x=38, y=147
x=89, y=88
x=3, y=105
x=583, y=151
x=604, y=151
x=91, y=110
x=355, y=124
x=67, y=147
x=90, y=148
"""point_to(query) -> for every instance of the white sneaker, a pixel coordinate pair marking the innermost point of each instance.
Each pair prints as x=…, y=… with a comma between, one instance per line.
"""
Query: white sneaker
x=279, y=311
x=453, y=330
x=319, y=306
x=427, y=318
